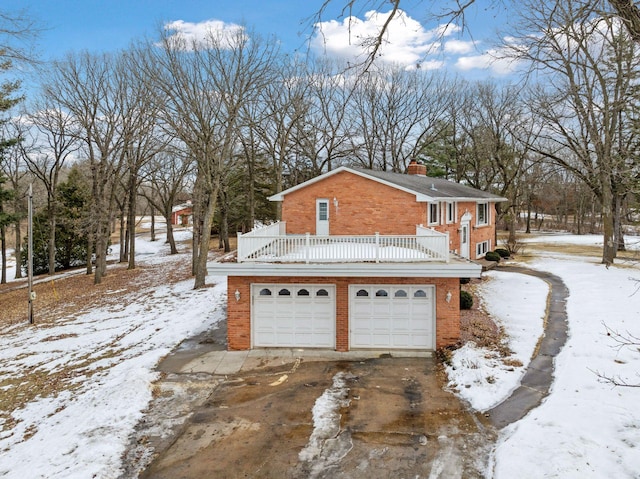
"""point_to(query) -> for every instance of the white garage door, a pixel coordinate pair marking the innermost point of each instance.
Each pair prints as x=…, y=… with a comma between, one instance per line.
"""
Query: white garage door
x=294, y=315
x=392, y=316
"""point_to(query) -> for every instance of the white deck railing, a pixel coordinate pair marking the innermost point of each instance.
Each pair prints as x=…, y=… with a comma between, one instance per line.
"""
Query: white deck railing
x=272, y=244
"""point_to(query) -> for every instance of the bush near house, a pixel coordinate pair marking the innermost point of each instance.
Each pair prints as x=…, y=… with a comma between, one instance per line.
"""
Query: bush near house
x=466, y=300
x=492, y=256
x=504, y=253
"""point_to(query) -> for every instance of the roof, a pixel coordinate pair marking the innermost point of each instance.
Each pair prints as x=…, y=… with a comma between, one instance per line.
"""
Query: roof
x=183, y=207
x=425, y=188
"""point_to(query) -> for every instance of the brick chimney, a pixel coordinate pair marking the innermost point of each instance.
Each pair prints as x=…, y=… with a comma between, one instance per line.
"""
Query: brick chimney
x=415, y=168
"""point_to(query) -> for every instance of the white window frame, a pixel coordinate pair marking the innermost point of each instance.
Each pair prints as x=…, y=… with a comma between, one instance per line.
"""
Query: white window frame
x=485, y=206
x=450, y=212
x=431, y=207
x=482, y=248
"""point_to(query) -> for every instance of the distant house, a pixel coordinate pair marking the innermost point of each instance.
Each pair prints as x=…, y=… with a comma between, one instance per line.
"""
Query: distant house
x=361, y=260
x=182, y=214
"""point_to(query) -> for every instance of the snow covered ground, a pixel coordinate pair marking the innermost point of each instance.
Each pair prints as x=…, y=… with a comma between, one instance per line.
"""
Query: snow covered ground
x=108, y=356
x=584, y=428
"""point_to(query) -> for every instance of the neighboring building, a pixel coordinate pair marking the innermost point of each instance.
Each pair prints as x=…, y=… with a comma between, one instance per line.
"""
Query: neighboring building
x=182, y=214
x=361, y=259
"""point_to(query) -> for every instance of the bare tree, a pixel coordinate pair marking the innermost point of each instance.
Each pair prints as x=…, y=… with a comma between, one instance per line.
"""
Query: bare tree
x=17, y=34
x=584, y=98
x=277, y=118
x=202, y=86
x=165, y=177
x=141, y=138
x=49, y=138
x=397, y=112
x=85, y=85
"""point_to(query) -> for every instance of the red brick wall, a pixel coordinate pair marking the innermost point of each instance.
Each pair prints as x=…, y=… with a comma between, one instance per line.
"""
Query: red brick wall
x=477, y=234
x=239, y=312
x=364, y=207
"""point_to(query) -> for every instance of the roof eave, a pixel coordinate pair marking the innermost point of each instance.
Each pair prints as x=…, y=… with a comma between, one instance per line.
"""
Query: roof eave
x=454, y=269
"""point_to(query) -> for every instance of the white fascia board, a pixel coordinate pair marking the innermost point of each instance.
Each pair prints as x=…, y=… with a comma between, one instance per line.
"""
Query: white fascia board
x=458, y=269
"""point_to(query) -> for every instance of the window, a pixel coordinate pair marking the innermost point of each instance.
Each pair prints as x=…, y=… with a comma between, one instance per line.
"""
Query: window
x=284, y=292
x=433, y=213
x=362, y=292
x=265, y=292
x=482, y=248
x=401, y=293
x=323, y=210
x=303, y=292
x=381, y=293
x=322, y=292
x=482, y=217
x=451, y=212
x=420, y=294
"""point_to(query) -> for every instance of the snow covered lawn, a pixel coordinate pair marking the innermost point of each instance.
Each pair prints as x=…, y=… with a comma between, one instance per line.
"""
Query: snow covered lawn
x=83, y=381
x=585, y=427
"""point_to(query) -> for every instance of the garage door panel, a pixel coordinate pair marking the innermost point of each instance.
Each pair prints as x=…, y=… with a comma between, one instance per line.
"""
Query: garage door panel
x=403, y=319
x=305, y=317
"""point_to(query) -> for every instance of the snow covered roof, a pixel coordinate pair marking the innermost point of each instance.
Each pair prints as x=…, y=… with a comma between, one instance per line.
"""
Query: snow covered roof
x=182, y=207
x=424, y=187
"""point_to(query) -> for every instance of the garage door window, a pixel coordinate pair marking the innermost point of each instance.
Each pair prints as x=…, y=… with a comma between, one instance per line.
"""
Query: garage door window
x=362, y=292
x=265, y=292
x=381, y=293
x=303, y=292
x=322, y=292
x=401, y=293
x=420, y=294
x=284, y=292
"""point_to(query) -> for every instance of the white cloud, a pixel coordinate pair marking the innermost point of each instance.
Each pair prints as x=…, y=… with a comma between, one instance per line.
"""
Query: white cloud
x=406, y=41
x=187, y=34
x=459, y=47
x=488, y=61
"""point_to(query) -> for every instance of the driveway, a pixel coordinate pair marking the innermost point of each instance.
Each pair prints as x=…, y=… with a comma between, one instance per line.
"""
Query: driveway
x=310, y=414
x=297, y=417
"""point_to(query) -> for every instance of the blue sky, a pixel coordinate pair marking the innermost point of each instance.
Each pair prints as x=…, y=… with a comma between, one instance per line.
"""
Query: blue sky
x=113, y=24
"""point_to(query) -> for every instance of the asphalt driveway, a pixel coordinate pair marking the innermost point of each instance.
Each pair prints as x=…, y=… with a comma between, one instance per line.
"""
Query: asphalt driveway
x=390, y=418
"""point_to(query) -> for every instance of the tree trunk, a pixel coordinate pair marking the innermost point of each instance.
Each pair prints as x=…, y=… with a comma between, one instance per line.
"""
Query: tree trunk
x=52, y=238
x=131, y=221
x=153, y=224
x=617, y=221
x=205, y=237
x=3, y=256
x=224, y=220
x=18, y=250
x=123, y=239
x=170, y=238
x=528, y=230
x=90, y=248
x=609, y=245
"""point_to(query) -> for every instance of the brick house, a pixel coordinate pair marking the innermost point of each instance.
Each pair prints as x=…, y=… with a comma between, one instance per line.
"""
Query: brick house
x=182, y=214
x=361, y=259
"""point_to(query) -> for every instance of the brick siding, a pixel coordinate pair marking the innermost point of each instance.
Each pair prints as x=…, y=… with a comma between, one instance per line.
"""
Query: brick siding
x=239, y=312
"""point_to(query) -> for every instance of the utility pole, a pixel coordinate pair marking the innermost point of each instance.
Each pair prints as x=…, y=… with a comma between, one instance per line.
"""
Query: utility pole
x=32, y=294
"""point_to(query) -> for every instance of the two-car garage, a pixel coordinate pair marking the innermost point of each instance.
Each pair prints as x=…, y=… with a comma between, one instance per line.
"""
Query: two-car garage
x=381, y=316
